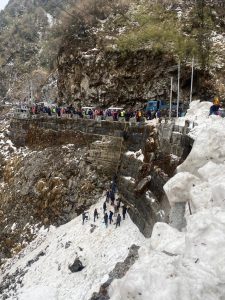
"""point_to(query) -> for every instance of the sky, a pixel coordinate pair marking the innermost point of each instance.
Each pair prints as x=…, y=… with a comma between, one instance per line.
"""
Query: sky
x=3, y=4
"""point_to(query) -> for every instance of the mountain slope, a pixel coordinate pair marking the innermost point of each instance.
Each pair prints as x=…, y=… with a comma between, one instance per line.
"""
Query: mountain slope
x=24, y=56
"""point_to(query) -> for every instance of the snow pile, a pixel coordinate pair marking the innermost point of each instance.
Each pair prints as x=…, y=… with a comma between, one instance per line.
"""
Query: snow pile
x=48, y=276
x=209, y=146
x=197, y=113
x=187, y=265
x=175, y=265
x=137, y=155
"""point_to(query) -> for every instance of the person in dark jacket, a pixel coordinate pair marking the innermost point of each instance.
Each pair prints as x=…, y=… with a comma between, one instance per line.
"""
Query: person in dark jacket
x=106, y=220
x=118, y=220
x=112, y=196
x=149, y=115
x=214, y=110
x=104, y=206
x=110, y=216
x=95, y=214
x=84, y=217
x=113, y=186
x=124, y=211
x=118, y=204
x=107, y=195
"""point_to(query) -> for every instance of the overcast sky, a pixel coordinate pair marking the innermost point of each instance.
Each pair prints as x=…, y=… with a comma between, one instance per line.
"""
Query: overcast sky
x=3, y=3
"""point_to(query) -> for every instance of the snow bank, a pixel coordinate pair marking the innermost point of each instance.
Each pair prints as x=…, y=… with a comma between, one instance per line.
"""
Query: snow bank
x=187, y=265
x=49, y=277
x=197, y=114
x=179, y=266
x=198, y=111
x=209, y=145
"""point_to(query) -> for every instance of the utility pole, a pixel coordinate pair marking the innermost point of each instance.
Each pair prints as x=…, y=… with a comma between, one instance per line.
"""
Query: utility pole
x=192, y=77
x=178, y=89
x=31, y=91
x=171, y=97
x=28, y=95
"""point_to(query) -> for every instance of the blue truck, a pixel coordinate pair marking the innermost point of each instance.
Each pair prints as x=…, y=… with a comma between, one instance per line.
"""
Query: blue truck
x=155, y=105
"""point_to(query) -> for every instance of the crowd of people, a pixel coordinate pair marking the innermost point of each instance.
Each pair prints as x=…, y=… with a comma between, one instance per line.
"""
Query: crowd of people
x=112, y=114
x=113, y=209
x=115, y=114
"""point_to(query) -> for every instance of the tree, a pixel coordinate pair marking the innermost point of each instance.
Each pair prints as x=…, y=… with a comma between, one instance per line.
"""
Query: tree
x=159, y=30
x=202, y=23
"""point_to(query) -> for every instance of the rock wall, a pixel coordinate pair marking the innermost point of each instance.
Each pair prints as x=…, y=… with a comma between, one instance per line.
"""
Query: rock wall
x=96, y=76
x=174, y=139
x=105, y=155
x=143, y=174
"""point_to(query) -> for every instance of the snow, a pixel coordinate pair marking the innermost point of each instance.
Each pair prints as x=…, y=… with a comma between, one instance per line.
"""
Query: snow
x=129, y=178
x=40, y=292
x=49, y=277
x=138, y=154
x=209, y=145
x=187, y=264
x=50, y=19
x=198, y=113
x=13, y=227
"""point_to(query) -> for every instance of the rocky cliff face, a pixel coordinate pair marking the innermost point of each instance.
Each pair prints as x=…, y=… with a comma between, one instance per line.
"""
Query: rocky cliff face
x=111, y=77
x=92, y=69
x=47, y=37
x=42, y=185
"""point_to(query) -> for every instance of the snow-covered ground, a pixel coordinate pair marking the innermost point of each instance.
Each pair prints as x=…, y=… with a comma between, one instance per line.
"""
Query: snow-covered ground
x=49, y=278
x=198, y=113
x=187, y=265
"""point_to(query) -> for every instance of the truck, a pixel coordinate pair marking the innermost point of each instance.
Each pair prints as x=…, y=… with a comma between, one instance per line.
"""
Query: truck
x=161, y=105
x=155, y=105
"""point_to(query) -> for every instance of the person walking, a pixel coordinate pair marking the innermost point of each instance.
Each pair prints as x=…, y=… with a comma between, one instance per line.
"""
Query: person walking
x=104, y=207
x=118, y=220
x=115, y=210
x=110, y=216
x=107, y=195
x=106, y=220
x=124, y=211
x=112, y=196
x=95, y=214
x=84, y=217
x=113, y=186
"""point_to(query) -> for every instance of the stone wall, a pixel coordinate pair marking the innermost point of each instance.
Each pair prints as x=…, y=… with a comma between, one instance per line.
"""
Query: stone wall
x=105, y=140
x=63, y=131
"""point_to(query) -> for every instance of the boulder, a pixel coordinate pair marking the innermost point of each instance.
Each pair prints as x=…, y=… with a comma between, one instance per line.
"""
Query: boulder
x=142, y=185
x=77, y=266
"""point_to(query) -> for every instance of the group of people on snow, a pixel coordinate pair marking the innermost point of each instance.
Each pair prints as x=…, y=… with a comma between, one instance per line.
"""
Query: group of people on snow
x=111, y=209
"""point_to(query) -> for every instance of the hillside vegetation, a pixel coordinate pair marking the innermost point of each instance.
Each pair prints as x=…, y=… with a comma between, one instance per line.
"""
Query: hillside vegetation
x=34, y=35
